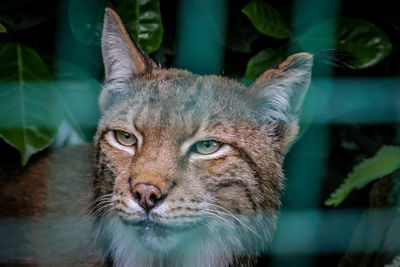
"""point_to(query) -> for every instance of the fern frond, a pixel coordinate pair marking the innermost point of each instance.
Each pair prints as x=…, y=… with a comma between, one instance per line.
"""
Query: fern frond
x=395, y=262
x=384, y=162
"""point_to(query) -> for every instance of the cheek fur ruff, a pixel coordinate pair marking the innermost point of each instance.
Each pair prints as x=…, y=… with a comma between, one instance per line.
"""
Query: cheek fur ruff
x=219, y=244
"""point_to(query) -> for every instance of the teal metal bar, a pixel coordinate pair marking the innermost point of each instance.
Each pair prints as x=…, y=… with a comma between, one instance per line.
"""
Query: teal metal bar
x=305, y=163
x=201, y=34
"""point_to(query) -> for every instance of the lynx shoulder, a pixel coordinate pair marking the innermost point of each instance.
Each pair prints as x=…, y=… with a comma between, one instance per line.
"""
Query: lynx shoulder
x=186, y=170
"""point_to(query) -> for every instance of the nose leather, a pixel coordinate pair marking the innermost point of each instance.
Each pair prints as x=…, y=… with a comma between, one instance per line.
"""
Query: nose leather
x=146, y=195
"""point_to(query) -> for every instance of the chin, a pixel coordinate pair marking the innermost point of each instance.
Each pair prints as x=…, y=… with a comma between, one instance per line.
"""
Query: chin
x=158, y=237
x=147, y=242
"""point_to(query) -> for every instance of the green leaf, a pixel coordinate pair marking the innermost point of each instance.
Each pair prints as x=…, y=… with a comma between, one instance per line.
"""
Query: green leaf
x=29, y=109
x=395, y=262
x=2, y=29
x=384, y=162
x=267, y=19
x=86, y=20
x=142, y=19
x=241, y=40
x=263, y=60
x=78, y=93
x=362, y=39
x=241, y=33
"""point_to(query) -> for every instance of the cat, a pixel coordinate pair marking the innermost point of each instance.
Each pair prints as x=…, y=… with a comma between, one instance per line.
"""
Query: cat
x=185, y=170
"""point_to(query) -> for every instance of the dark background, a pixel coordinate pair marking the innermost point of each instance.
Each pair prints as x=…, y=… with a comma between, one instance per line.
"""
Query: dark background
x=39, y=25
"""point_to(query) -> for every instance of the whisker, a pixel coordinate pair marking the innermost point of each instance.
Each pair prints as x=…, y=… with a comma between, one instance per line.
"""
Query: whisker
x=211, y=212
x=101, y=197
x=98, y=205
x=228, y=213
x=104, y=209
x=93, y=207
x=227, y=223
x=108, y=196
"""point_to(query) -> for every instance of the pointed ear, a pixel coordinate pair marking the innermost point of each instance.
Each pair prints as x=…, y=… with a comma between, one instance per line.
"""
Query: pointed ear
x=276, y=96
x=123, y=60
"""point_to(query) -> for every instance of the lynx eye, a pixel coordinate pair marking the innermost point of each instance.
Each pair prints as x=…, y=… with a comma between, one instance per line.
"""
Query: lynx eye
x=207, y=147
x=125, y=138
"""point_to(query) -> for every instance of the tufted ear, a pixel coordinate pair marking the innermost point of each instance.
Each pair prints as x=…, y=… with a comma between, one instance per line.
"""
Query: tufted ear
x=276, y=96
x=122, y=58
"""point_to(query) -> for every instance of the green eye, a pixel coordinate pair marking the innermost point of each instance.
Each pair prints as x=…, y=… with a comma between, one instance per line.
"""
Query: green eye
x=207, y=147
x=125, y=138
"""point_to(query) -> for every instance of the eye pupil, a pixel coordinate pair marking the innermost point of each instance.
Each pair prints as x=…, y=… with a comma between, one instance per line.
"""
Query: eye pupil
x=125, y=138
x=207, y=147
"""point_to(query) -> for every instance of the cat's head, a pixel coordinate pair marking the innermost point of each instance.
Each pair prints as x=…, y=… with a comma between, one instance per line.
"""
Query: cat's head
x=181, y=155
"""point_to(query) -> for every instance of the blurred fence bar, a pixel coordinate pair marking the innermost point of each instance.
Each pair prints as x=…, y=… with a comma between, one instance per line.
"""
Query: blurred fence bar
x=201, y=30
x=333, y=101
x=300, y=232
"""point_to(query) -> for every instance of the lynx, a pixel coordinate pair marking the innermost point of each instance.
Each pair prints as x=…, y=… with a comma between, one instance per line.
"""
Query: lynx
x=185, y=170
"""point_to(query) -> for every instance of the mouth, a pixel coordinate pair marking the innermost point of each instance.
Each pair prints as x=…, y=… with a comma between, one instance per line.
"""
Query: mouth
x=151, y=230
x=156, y=233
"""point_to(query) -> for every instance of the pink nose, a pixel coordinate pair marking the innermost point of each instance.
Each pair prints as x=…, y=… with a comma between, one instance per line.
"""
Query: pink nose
x=146, y=195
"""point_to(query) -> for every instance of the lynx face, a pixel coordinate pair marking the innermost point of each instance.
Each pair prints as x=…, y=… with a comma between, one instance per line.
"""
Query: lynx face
x=188, y=166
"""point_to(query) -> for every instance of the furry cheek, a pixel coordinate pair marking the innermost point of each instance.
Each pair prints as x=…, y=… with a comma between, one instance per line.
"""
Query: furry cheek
x=118, y=161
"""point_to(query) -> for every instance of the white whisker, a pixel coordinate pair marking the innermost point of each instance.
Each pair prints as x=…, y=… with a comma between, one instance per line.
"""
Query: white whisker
x=230, y=214
x=104, y=209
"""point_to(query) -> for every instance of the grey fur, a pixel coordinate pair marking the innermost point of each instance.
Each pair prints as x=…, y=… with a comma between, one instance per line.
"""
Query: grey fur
x=169, y=108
